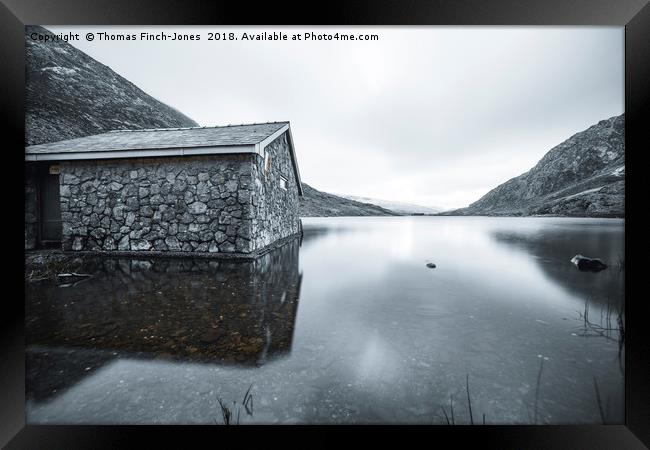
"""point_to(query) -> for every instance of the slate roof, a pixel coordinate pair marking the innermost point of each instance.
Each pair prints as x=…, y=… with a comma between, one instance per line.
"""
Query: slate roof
x=162, y=138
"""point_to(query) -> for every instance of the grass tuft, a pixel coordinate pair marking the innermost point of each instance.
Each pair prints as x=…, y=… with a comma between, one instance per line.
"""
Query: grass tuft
x=228, y=412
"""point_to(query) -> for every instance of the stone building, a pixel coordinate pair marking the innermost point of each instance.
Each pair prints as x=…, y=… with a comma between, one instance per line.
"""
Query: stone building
x=229, y=190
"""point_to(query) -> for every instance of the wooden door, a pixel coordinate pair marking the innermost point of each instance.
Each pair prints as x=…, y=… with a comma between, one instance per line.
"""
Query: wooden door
x=51, y=230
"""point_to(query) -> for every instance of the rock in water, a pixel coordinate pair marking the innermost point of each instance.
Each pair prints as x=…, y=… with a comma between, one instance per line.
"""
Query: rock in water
x=431, y=265
x=588, y=264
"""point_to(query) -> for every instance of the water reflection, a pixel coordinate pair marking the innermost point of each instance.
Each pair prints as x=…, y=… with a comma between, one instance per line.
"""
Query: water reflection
x=314, y=233
x=552, y=247
x=378, y=337
x=227, y=312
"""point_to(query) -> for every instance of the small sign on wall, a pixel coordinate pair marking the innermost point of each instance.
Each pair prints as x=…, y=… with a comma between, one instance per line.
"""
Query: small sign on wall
x=54, y=169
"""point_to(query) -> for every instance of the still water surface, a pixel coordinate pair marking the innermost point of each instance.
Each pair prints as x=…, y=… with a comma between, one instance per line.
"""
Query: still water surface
x=347, y=326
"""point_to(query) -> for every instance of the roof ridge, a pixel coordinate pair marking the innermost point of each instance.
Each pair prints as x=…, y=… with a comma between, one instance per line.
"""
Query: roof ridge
x=134, y=130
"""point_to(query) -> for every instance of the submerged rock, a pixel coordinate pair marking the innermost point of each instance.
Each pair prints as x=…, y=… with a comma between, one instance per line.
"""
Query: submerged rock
x=212, y=336
x=431, y=265
x=588, y=264
x=68, y=279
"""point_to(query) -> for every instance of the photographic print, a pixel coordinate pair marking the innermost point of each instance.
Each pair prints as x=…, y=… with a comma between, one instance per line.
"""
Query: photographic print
x=324, y=225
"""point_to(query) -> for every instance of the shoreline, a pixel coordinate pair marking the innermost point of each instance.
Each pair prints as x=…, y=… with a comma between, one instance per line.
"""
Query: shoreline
x=477, y=215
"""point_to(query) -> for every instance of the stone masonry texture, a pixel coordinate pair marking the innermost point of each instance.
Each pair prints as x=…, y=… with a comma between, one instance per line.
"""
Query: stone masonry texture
x=275, y=210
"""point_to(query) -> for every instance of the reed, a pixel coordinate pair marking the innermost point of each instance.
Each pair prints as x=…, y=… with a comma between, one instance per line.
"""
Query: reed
x=228, y=412
x=450, y=418
x=537, y=388
x=600, y=403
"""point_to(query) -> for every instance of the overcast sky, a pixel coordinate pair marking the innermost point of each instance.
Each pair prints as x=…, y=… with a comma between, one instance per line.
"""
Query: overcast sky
x=435, y=116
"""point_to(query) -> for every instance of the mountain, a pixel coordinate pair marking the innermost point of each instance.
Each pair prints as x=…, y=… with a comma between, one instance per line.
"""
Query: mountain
x=315, y=203
x=583, y=176
x=398, y=207
x=69, y=95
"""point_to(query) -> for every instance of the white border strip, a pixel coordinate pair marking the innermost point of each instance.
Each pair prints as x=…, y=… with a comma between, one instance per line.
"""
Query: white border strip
x=144, y=153
x=295, y=161
x=262, y=145
x=259, y=149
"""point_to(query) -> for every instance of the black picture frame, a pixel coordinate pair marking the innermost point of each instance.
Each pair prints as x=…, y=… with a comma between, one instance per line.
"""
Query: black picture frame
x=14, y=14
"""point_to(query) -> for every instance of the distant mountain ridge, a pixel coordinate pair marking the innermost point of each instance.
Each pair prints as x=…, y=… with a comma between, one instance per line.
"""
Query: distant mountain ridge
x=583, y=176
x=398, y=207
x=315, y=203
x=70, y=95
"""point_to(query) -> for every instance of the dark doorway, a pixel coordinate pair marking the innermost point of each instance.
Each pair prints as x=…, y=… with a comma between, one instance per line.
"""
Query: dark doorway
x=51, y=229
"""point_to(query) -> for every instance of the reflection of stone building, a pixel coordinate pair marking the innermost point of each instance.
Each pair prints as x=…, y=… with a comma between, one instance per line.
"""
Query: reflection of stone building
x=239, y=312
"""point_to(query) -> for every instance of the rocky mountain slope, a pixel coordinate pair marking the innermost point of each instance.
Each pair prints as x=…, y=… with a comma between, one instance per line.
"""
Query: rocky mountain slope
x=69, y=95
x=583, y=176
x=315, y=203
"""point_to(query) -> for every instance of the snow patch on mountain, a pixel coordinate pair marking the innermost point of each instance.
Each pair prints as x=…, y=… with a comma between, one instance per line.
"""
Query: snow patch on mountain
x=59, y=70
x=398, y=207
x=588, y=191
x=619, y=171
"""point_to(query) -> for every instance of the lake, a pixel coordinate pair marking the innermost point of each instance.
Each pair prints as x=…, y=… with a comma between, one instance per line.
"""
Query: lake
x=347, y=325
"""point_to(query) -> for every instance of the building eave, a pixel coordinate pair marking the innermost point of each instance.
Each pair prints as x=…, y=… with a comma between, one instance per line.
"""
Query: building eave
x=141, y=153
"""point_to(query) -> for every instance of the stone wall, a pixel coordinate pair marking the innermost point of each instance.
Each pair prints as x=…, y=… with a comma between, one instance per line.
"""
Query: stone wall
x=179, y=204
x=275, y=210
x=213, y=204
